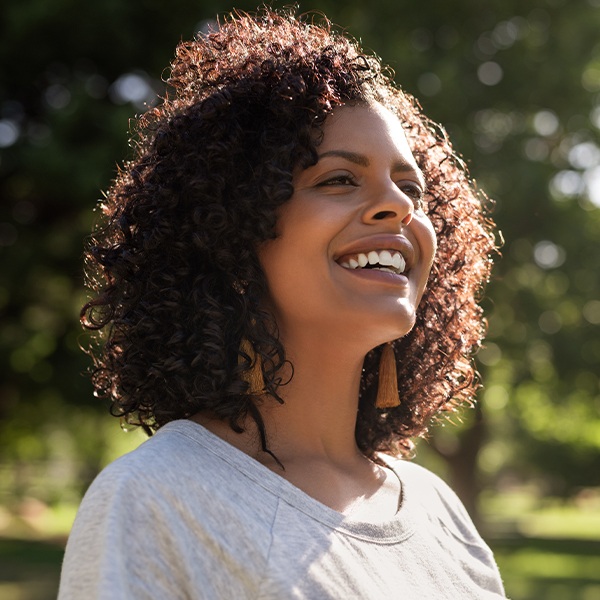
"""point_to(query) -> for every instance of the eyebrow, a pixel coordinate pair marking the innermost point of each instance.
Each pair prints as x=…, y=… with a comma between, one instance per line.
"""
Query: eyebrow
x=358, y=159
x=361, y=160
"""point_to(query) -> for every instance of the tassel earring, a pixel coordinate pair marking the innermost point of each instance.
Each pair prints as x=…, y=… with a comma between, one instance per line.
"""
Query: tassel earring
x=387, y=389
x=254, y=375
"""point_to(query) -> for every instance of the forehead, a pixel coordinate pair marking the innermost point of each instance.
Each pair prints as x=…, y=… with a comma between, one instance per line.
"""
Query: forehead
x=366, y=125
x=370, y=132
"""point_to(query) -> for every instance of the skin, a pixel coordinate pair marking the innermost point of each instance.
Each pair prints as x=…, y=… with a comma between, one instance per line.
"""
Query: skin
x=363, y=194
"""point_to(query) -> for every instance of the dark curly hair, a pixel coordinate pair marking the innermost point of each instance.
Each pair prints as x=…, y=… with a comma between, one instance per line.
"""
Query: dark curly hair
x=174, y=263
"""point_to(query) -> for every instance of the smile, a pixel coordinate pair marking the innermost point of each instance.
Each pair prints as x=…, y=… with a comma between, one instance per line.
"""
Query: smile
x=390, y=261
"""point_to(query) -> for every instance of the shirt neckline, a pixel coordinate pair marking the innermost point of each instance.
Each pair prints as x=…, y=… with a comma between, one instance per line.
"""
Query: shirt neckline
x=398, y=528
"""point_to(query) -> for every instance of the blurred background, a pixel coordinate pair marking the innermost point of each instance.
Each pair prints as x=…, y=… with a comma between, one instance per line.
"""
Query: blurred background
x=516, y=84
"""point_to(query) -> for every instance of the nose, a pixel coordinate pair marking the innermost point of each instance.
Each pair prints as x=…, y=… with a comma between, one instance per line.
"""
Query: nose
x=389, y=203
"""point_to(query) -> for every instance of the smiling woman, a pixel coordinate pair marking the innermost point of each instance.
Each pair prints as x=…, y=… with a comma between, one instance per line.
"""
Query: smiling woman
x=285, y=288
x=359, y=202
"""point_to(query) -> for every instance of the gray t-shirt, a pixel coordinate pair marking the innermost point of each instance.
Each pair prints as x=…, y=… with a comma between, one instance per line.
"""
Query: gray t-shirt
x=186, y=515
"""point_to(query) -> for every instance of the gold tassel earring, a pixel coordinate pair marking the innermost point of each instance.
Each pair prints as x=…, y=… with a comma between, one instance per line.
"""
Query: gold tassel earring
x=387, y=388
x=254, y=375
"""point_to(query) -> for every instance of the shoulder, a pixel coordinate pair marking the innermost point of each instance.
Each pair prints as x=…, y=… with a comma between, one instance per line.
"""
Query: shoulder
x=439, y=516
x=418, y=476
x=175, y=507
x=180, y=481
x=436, y=499
x=182, y=460
x=420, y=479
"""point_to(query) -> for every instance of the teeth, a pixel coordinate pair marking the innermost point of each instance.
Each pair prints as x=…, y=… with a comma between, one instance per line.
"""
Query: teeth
x=386, y=260
x=398, y=262
x=373, y=257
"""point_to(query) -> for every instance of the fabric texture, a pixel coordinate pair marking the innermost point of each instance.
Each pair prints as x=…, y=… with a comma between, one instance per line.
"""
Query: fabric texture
x=188, y=516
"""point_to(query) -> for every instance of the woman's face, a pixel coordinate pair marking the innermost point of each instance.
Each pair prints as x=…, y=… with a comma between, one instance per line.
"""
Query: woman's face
x=354, y=247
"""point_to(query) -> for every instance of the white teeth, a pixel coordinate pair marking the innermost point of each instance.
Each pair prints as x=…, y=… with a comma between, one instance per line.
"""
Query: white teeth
x=398, y=262
x=386, y=260
x=373, y=257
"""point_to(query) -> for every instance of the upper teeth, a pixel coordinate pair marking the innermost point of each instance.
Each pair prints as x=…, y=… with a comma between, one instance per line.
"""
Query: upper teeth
x=383, y=258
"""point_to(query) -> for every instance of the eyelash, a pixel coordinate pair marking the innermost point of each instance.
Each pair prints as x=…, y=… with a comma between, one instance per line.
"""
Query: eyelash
x=339, y=180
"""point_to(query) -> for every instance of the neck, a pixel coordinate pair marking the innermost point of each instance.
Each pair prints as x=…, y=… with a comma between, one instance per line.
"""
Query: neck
x=317, y=420
x=313, y=434
x=318, y=417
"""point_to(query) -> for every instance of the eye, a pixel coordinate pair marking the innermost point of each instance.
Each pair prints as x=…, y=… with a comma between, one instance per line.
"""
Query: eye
x=341, y=179
x=414, y=191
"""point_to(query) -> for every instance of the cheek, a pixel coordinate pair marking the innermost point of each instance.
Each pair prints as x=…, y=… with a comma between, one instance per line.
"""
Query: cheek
x=426, y=240
x=272, y=259
x=431, y=241
x=284, y=262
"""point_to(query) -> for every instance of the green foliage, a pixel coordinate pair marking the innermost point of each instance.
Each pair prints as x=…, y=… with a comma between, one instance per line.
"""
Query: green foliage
x=517, y=86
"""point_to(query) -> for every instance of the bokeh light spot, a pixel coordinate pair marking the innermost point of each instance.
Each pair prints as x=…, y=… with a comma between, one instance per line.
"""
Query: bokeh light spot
x=490, y=73
x=545, y=122
x=548, y=255
x=591, y=312
x=429, y=84
x=9, y=133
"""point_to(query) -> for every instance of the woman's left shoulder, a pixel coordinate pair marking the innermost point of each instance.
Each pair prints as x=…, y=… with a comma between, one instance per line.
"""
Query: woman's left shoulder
x=415, y=474
x=434, y=495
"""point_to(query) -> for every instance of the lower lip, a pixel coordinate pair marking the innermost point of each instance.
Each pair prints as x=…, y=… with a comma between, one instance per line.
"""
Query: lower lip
x=375, y=275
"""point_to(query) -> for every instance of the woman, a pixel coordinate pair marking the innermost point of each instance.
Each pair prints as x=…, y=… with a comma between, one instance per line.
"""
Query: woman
x=269, y=281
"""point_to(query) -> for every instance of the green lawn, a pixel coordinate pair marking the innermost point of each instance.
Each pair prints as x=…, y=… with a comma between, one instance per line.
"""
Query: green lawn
x=549, y=569
x=29, y=569
x=546, y=548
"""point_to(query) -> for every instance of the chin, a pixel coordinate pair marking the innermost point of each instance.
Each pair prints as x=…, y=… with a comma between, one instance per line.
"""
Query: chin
x=398, y=327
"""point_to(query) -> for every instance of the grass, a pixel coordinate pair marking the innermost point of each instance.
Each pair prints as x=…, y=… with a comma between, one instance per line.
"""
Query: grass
x=32, y=542
x=547, y=568
x=29, y=569
x=546, y=549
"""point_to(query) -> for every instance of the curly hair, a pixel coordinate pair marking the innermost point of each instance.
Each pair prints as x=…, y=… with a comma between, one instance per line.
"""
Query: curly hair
x=174, y=269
